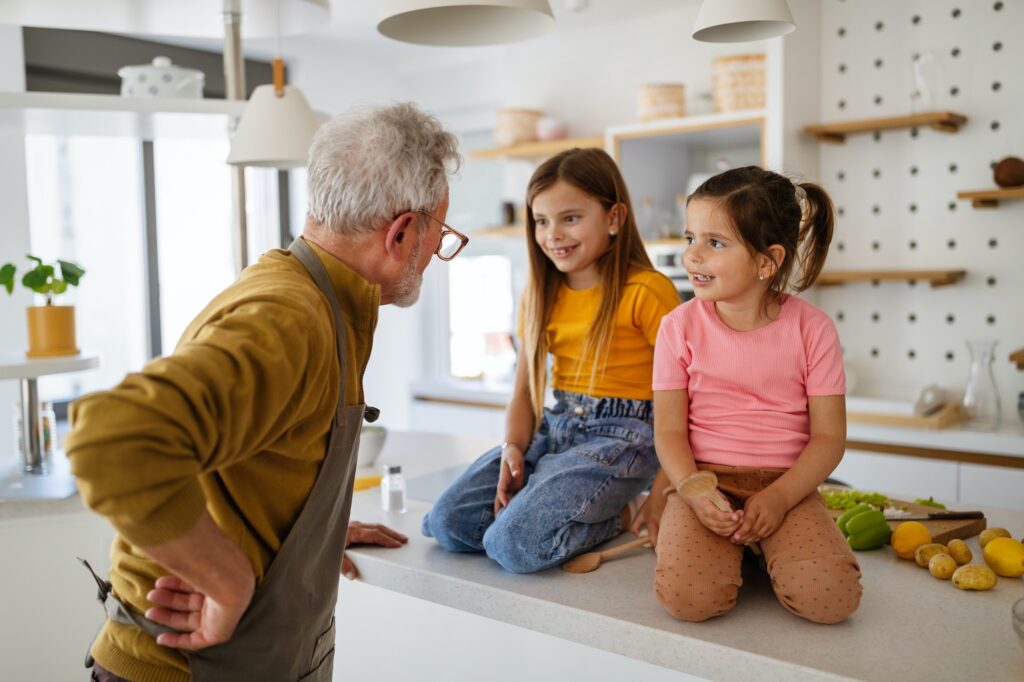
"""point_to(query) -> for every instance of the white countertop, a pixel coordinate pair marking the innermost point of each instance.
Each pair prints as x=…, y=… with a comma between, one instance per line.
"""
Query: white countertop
x=909, y=625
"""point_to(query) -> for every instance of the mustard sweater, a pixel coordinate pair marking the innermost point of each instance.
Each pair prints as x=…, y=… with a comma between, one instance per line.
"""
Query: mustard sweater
x=234, y=421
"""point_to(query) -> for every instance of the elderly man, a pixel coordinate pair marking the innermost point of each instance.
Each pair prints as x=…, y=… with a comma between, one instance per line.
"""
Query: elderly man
x=227, y=467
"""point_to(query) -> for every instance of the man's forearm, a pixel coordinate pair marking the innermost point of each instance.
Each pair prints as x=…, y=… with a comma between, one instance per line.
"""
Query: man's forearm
x=209, y=560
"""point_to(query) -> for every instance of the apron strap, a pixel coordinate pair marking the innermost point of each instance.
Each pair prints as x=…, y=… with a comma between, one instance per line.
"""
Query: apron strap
x=316, y=269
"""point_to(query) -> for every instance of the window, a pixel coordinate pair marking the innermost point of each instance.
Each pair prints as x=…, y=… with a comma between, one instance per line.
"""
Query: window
x=481, y=318
x=93, y=218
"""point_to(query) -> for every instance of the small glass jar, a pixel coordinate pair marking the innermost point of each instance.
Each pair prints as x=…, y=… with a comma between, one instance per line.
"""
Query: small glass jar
x=48, y=437
x=392, y=489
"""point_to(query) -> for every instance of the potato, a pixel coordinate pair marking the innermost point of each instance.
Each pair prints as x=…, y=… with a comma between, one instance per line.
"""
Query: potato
x=942, y=566
x=974, y=577
x=991, y=534
x=960, y=552
x=925, y=553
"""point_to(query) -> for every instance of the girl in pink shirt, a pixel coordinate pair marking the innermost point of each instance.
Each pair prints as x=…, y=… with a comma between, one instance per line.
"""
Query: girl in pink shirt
x=748, y=383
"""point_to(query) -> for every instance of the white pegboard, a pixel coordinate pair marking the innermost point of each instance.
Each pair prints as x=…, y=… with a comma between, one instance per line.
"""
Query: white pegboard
x=896, y=190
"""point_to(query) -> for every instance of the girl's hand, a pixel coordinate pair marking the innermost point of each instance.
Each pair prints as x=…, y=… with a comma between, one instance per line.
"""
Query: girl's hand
x=649, y=514
x=714, y=519
x=763, y=513
x=512, y=476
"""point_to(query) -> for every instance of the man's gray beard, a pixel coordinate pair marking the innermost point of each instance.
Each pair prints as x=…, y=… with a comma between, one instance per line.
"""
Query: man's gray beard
x=407, y=292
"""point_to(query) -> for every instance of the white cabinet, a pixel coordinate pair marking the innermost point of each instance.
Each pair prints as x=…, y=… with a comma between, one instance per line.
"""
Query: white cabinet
x=50, y=614
x=992, y=486
x=910, y=477
x=436, y=417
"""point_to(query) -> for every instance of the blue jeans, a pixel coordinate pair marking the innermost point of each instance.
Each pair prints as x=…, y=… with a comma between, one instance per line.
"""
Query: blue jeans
x=589, y=457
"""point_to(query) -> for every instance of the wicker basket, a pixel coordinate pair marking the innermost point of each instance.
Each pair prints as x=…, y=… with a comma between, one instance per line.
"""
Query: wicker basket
x=738, y=82
x=660, y=100
x=515, y=126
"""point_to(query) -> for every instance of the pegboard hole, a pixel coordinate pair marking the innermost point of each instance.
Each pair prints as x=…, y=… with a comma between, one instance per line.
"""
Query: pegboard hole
x=842, y=68
x=997, y=46
x=840, y=315
x=841, y=32
x=991, y=281
x=841, y=176
x=953, y=168
x=911, y=353
x=994, y=126
x=913, y=132
x=876, y=246
x=912, y=318
x=951, y=206
x=913, y=209
x=956, y=13
x=840, y=246
x=875, y=317
x=991, y=319
x=955, y=52
x=951, y=244
x=912, y=244
x=876, y=209
x=954, y=91
x=879, y=63
x=950, y=356
x=996, y=86
x=993, y=243
x=998, y=6
x=913, y=170
x=879, y=25
x=950, y=318
x=876, y=173
x=841, y=211
x=841, y=104
x=874, y=352
x=916, y=19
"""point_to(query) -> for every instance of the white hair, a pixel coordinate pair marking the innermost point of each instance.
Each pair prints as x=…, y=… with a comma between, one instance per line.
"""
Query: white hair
x=371, y=163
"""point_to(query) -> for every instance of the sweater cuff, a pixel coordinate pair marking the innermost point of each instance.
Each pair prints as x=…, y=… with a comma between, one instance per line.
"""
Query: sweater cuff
x=168, y=521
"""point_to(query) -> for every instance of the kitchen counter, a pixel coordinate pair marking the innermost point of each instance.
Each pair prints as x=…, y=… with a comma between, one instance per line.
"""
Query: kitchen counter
x=909, y=625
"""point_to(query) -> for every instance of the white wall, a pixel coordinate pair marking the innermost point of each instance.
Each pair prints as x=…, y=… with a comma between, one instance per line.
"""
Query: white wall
x=14, y=243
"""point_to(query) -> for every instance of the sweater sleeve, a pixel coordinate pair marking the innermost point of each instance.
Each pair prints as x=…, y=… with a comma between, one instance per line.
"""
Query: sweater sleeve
x=137, y=450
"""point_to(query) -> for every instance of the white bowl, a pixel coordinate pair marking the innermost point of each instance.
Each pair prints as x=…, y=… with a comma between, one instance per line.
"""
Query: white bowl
x=371, y=442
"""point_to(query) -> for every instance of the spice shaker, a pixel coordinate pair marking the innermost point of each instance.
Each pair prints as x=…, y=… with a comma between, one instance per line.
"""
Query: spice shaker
x=392, y=489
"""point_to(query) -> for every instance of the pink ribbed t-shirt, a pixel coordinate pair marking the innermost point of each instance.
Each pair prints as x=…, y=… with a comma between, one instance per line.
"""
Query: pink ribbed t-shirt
x=748, y=390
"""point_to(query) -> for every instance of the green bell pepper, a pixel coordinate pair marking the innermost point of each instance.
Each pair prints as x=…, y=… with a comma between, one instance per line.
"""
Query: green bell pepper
x=868, y=530
x=843, y=520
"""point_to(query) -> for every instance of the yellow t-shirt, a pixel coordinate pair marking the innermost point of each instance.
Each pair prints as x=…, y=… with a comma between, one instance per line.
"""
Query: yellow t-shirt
x=234, y=421
x=647, y=297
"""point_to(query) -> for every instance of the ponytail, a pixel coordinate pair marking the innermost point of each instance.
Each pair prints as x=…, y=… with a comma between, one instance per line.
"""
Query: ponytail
x=815, y=233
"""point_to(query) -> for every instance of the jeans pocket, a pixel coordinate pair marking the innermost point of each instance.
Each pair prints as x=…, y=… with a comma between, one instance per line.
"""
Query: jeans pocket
x=606, y=442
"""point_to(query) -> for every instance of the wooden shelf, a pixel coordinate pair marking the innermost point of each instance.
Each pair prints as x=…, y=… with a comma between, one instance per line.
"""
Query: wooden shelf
x=499, y=231
x=943, y=121
x=1017, y=356
x=990, y=198
x=936, y=278
x=535, y=150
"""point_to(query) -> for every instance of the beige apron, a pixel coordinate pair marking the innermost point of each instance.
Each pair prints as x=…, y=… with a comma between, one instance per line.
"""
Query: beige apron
x=287, y=633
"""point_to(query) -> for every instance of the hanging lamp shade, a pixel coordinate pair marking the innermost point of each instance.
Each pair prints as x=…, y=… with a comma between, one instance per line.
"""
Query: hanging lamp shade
x=193, y=18
x=738, y=21
x=463, y=23
x=275, y=131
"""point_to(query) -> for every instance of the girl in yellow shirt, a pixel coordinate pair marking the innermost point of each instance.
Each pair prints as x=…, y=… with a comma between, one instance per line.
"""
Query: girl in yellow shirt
x=561, y=481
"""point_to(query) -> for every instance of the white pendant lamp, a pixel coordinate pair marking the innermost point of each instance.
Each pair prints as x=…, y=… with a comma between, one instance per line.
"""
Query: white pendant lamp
x=277, y=126
x=463, y=23
x=738, y=21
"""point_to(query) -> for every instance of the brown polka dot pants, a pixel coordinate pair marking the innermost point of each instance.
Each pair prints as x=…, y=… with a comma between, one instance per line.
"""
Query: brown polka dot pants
x=813, y=571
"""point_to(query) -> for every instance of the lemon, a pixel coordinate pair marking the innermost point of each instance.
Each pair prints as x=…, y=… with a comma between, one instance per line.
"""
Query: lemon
x=1005, y=556
x=908, y=536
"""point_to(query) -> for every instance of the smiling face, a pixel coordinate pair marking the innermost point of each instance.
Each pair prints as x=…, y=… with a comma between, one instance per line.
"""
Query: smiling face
x=719, y=264
x=573, y=230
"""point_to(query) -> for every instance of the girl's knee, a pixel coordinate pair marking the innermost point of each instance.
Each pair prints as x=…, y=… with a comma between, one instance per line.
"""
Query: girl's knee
x=514, y=550
x=693, y=601
x=452, y=528
x=822, y=590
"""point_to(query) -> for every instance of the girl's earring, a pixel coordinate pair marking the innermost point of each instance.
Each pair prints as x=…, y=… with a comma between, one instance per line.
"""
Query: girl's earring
x=760, y=277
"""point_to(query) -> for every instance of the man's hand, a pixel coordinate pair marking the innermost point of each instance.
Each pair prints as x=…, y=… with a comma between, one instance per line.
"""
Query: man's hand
x=210, y=586
x=202, y=619
x=368, y=534
x=763, y=513
x=512, y=476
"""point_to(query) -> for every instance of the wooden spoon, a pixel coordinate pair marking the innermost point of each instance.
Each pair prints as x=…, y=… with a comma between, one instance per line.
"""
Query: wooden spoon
x=585, y=563
x=705, y=484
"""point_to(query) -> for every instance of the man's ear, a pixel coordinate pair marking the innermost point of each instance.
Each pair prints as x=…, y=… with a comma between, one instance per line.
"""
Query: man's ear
x=397, y=232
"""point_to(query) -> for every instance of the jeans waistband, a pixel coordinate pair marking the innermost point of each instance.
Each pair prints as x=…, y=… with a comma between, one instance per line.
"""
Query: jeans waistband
x=602, y=408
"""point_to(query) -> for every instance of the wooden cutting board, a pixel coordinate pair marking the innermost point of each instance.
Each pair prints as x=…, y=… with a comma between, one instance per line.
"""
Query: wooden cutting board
x=942, y=531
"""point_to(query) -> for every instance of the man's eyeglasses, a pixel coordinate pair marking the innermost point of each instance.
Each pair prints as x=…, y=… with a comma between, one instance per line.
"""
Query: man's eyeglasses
x=452, y=241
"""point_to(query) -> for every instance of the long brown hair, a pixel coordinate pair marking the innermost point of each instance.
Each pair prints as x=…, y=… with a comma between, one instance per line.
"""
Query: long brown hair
x=594, y=172
x=765, y=209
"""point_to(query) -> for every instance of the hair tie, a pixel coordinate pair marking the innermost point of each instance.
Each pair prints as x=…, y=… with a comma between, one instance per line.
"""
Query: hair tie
x=800, y=192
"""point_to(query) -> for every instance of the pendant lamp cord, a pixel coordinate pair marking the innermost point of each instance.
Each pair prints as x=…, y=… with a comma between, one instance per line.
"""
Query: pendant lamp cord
x=278, y=65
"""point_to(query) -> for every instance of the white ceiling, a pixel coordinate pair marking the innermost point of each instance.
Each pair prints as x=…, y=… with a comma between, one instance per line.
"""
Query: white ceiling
x=354, y=24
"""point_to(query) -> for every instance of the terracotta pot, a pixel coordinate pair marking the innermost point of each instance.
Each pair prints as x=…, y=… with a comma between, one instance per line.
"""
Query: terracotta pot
x=51, y=331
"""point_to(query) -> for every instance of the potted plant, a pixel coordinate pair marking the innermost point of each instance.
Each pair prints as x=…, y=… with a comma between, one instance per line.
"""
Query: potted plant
x=51, y=328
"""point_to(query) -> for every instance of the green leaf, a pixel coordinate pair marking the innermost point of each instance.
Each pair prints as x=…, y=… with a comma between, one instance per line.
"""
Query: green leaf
x=35, y=280
x=39, y=261
x=59, y=286
x=71, y=272
x=7, y=277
